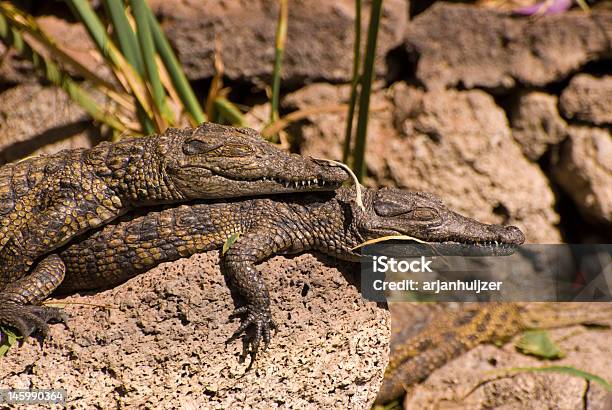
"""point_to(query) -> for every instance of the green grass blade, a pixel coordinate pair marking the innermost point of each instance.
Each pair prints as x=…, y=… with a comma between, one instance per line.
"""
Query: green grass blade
x=354, y=83
x=9, y=338
x=83, y=10
x=147, y=48
x=124, y=33
x=366, y=88
x=177, y=76
x=129, y=47
x=229, y=111
x=145, y=121
x=124, y=72
x=229, y=242
x=279, y=50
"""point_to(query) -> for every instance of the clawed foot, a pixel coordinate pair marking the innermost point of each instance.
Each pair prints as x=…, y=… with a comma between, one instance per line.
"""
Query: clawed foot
x=28, y=319
x=261, y=321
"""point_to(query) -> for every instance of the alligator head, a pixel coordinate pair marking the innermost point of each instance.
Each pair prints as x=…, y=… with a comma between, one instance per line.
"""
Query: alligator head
x=220, y=161
x=423, y=216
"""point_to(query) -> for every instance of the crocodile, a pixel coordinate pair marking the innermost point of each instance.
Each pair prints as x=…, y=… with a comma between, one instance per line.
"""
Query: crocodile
x=333, y=223
x=46, y=201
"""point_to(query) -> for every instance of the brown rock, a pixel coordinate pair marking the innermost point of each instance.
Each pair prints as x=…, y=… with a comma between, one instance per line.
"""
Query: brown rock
x=498, y=50
x=162, y=342
x=319, y=40
x=14, y=69
x=589, y=99
x=456, y=144
x=37, y=119
x=584, y=171
x=536, y=123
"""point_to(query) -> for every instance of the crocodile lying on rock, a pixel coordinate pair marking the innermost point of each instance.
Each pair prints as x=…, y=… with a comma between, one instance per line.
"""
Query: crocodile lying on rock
x=46, y=201
x=331, y=223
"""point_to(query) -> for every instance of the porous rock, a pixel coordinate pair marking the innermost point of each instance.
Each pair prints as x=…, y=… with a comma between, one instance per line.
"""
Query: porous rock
x=319, y=38
x=536, y=123
x=38, y=120
x=588, y=99
x=161, y=343
x=499, y=51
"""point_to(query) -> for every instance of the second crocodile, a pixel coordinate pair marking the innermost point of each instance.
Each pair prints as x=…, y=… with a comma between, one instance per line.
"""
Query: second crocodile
x=332, y=223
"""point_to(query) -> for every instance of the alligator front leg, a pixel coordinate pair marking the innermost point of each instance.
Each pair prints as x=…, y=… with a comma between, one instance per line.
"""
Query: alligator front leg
x=239, y=264
x=19, y=301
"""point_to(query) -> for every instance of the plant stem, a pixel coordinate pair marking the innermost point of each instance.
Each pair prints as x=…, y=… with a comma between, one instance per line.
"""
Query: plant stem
x=366, y=88
x=230, y=112
x=281, y=38
x=147, y=48
x=354, y=83
x=183, y=88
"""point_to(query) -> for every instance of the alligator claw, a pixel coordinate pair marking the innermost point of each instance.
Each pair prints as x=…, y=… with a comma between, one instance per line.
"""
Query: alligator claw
x=261, y=321
x=28, y=319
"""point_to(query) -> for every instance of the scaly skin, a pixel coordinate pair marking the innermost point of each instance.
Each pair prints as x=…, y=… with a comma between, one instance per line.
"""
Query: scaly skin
x=331, y=223
x=47, y=201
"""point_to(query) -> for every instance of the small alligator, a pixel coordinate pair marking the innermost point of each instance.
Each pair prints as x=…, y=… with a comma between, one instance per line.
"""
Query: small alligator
x=331, y=223
x=46, y=201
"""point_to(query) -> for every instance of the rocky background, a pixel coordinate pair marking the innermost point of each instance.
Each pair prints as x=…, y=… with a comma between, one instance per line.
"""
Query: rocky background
x=508, y=119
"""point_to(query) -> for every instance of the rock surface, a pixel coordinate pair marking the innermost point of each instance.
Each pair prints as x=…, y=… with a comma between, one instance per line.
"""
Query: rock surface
x=536, y=123
x=499, y=51
x=319, y=38
x=456, y=144
x=588, y=99
x=584, y=171
x=161, y=344
x=41, y=120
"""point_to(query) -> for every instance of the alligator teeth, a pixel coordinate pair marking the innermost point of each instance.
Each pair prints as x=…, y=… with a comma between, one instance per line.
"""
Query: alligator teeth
x=315, y=181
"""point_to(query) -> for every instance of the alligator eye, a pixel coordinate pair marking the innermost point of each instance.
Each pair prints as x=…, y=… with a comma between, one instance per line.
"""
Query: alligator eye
x=214, y=148
x=231, y=150
x=389, y=208
x=423, y=214
x=198, y=146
